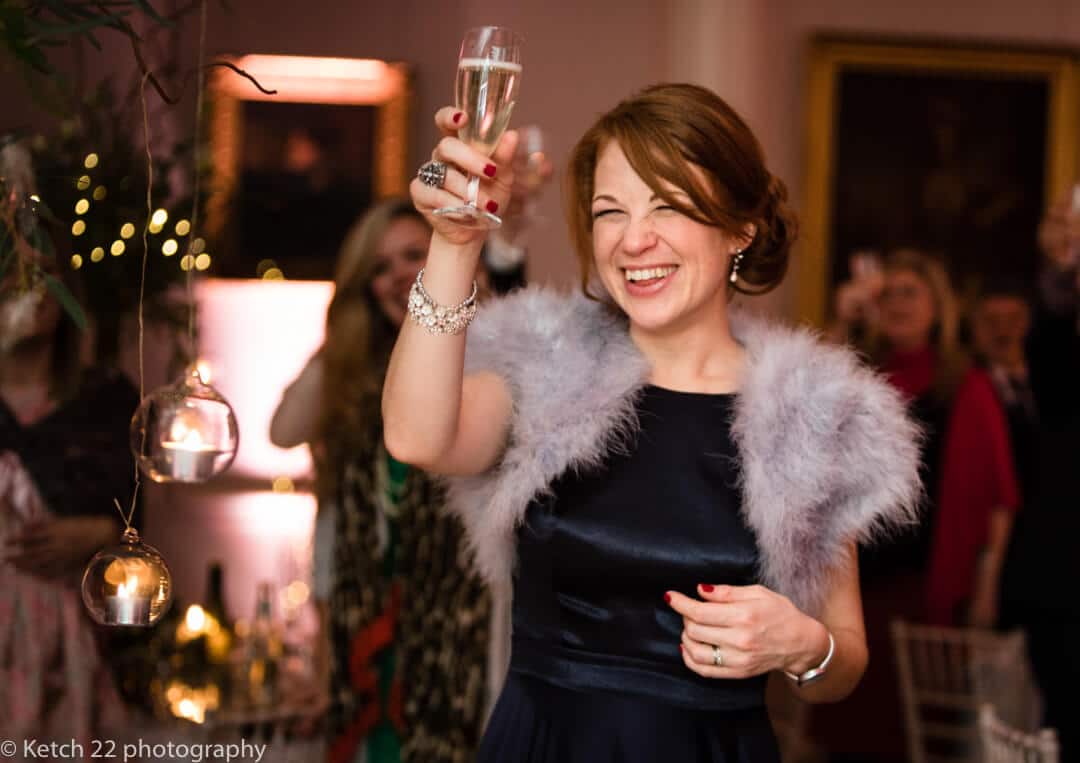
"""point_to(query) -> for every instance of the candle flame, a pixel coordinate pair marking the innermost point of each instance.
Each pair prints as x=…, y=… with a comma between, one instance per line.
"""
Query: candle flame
x=184, y=430
x=127, y=590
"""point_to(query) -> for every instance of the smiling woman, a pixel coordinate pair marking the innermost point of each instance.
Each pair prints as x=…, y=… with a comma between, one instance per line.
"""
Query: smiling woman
x=674, y=489
x=704, y=163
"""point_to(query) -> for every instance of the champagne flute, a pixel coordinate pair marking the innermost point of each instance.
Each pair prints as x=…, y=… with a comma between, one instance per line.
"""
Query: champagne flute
x=488, y=74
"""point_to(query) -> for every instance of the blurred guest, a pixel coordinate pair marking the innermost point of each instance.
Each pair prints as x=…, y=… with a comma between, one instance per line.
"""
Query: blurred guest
x=64, y=457
x=1042, y=560
x=1000, y=321
x=409, y=660
x=408, y=624
x=947, y=569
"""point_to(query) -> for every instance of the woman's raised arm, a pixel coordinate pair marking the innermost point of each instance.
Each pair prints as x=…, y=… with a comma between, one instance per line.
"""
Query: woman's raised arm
x=434, y=416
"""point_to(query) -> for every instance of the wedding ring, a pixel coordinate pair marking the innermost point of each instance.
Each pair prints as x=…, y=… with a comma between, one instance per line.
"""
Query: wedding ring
x=717, y=658
x=432, y=173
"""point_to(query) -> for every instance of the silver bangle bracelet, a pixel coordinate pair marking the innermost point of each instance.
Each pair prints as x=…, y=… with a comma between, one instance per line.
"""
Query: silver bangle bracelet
x=814, y=673
x=436, y=318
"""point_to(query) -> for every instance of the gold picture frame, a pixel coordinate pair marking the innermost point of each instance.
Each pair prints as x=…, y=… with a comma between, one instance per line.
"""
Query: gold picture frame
x=306, y=85
x=964, y=72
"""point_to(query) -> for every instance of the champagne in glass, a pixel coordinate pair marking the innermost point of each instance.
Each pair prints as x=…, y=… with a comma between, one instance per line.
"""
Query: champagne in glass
x=486, y=91
x=489, y=71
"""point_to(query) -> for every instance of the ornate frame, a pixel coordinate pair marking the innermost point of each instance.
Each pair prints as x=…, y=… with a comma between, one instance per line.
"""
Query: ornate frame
x=829, y=57
x=307, y=79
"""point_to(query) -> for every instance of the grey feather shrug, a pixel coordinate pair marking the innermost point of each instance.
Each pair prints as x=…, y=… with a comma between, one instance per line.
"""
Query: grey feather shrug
x=827, y=451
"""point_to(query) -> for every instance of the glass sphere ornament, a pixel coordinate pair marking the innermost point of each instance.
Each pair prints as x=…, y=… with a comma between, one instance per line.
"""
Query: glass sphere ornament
x=127, y=584
x=184, y=432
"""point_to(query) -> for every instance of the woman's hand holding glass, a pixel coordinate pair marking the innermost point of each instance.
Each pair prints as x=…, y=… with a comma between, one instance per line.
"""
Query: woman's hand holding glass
x=461, y=161
x=1059, y=232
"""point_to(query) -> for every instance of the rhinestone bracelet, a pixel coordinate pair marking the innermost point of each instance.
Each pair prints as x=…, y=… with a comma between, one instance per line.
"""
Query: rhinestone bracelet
x=436, y=318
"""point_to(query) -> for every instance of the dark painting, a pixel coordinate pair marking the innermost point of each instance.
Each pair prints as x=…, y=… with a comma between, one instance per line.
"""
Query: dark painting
x=306, y=174
x=949, y=162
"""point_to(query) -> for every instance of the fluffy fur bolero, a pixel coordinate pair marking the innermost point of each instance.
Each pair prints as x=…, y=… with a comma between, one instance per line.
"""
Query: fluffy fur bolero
x=828, y=453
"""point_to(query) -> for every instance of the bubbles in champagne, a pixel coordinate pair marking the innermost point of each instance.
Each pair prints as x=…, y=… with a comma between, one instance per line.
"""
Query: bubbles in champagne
x=486, y=90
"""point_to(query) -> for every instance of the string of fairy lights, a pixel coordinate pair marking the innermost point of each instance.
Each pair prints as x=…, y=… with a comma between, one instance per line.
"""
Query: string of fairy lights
x=169, y=238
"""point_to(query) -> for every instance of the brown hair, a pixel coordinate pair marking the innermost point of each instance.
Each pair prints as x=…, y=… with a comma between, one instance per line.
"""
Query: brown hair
x=668, y=130
x=359, y=336
x=952, y=362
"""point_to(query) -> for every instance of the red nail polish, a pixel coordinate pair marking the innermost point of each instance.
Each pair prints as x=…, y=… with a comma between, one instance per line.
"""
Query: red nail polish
x=490, y=170
x=493, y=206
x=707, y=587
x=667, y=597
x=457, y=117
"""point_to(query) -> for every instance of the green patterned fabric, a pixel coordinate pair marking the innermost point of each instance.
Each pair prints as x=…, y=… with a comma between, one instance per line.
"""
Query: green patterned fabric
x=442, y=630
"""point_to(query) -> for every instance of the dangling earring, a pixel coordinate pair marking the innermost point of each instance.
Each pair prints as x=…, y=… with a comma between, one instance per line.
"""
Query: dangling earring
x=736, y=261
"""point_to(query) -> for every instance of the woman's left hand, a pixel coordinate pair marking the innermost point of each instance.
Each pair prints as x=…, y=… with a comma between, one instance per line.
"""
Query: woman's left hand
x=57, y=546
x=755, y=629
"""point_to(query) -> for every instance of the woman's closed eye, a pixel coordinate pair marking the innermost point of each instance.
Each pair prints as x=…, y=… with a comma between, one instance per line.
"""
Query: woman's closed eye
x=597, y=214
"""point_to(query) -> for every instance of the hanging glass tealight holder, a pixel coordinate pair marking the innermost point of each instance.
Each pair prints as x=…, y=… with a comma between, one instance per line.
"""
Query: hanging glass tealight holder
x=184, y=432
x=128, y=584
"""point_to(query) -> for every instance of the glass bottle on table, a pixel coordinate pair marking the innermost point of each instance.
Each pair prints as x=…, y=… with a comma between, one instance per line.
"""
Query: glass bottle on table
x=263, y=653
x=486, y=89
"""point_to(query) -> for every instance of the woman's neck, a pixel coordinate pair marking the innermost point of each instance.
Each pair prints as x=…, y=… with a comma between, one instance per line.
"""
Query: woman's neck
x=701, y=357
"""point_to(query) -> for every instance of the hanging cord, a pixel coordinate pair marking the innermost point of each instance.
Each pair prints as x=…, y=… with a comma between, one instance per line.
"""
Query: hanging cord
x=200, y=87
x=142, y=293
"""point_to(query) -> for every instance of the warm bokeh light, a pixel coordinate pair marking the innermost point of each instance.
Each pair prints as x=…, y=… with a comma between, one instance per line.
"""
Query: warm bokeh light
x=183, y=227
x=296, y=594
x=100, y=193
x=187, y=262
x=78, y=228
x=283, y=485
x=127, y=230
x=90, y=161
x=198, y=246
x=206, y=371
x=273, y=274
x=195, y=618
x=83, y=183
x=76, y=261
x=169, y=247
x=81, y=206
x=97, y=255
x=159, y=218
x=117, y=248
x=202, y=262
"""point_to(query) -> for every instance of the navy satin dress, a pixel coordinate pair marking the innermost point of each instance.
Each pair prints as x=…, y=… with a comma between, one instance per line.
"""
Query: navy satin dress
x=596, y=673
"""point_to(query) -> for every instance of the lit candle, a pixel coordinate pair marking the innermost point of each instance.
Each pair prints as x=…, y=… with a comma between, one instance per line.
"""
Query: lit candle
x=126, y=607
x=189, y=459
